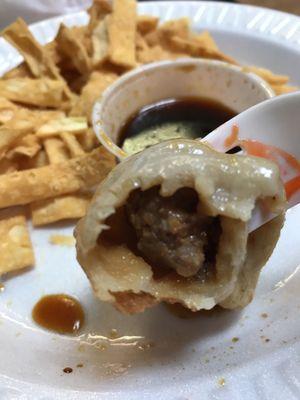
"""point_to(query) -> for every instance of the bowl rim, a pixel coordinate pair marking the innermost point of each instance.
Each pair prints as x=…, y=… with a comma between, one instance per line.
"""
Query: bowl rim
x=126, y=78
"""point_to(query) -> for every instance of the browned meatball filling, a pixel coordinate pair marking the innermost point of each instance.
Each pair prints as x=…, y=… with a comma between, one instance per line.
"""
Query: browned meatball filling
x=171, y=233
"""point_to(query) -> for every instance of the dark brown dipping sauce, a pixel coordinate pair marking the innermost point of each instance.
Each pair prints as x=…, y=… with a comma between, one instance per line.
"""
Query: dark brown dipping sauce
x=59, y=312
x=186, y=117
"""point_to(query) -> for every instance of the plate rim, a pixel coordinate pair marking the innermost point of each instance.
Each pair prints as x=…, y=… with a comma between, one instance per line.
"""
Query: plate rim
x=39, y=390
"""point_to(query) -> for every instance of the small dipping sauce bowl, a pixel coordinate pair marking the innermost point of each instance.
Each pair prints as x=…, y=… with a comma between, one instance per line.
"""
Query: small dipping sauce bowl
x=184, y=78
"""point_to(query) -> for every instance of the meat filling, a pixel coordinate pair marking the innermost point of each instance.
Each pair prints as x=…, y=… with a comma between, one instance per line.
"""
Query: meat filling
x=171, y=231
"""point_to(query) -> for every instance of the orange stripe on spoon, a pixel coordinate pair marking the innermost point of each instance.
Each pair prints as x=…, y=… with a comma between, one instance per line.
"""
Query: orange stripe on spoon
x=258, y=149
x=233, y=138
x=277, y=120
x=292, y=187
x=288, y=165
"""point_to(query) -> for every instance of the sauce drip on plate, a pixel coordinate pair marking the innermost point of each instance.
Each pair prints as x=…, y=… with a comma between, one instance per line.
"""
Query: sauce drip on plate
x=172, y=118
x=59, y=312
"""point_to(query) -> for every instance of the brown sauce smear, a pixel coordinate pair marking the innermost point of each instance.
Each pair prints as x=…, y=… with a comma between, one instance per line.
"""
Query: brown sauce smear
x=68, y=370
x=201, y=115
x=59, y=312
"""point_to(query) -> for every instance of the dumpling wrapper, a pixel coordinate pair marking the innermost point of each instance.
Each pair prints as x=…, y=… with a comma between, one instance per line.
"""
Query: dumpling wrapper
x=228, y=186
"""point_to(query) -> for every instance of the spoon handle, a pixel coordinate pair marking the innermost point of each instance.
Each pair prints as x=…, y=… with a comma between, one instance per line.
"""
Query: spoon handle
x=269, y=130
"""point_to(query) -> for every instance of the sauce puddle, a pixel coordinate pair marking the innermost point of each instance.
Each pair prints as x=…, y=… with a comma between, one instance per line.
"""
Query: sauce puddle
x=59, y=312
x=188, y=118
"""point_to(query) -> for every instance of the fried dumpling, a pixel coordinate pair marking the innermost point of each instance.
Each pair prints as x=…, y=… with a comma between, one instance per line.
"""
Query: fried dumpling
x=170, y=224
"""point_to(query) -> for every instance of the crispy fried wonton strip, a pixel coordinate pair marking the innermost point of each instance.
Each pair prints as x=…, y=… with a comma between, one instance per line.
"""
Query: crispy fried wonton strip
x=63, y=207
x=161, y=43
x=98, y=30
x=9, y=137
x=21, y=71
x=268, y=75
x=100, y=42
x=88, y=140
x=8, y=166
x=22, y=119
x=27, y=146
x=42, y=92
x=98, y=10
x=72, y=144
x=121, y=32
x=41, y=117
x=68, y=124
x=23, y=187
x=39, y=160
x=56, y=150
x=284, y=89
x=7, y=110
x=195, y=49
x=37, y=59
x=31, y=120
x=98, y=82
x=206, y=40
x=60, y=208
x=161, y=36
x=70, y=46
x=146, y=54
x=15, y=246
x=15, y=130
x=53, y=54
x=176, y=27
x=146, y=23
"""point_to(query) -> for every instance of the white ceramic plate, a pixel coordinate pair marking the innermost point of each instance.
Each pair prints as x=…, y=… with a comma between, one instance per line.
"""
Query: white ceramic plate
x=158, y=355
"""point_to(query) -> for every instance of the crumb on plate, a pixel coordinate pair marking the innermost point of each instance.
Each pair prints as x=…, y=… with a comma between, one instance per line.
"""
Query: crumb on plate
x=62, y=240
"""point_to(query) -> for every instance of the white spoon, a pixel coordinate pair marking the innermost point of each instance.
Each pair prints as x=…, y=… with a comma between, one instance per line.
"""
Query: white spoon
x=275, y=122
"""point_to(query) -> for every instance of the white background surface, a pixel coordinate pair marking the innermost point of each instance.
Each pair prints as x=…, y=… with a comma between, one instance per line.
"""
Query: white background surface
x=186, y=358
x=36, y=10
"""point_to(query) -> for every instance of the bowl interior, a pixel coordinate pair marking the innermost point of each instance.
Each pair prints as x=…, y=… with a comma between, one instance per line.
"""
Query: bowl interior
x=174, y=79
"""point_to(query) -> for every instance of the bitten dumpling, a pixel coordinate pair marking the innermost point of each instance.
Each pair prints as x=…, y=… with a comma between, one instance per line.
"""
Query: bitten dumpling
x=170, y=224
